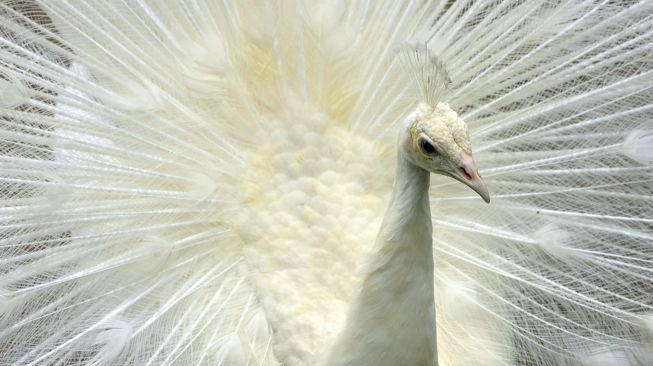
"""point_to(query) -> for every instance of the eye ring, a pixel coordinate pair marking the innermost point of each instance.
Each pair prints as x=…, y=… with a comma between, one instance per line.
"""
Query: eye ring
x=427, y=147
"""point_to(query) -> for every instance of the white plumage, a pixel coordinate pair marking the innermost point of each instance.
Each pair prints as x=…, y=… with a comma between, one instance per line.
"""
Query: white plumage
x=201, y=182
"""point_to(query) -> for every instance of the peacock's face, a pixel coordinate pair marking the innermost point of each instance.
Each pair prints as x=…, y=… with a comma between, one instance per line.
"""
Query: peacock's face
x=439, y=143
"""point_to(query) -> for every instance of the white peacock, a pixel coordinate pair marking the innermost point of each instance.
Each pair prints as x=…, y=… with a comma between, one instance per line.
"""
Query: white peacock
x=198, y=182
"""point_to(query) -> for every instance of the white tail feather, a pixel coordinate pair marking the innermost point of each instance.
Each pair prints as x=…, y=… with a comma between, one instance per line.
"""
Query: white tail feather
x=638, y=145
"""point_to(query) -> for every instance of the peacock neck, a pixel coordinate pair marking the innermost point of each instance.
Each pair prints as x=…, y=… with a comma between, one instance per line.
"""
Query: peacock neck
x=392, y=320
x=410, y=194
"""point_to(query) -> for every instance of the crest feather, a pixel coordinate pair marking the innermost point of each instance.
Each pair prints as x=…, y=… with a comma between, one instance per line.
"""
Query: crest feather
x=428, y=71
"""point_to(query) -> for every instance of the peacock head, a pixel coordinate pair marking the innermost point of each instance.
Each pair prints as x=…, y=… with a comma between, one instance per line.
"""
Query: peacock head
x=437, y=140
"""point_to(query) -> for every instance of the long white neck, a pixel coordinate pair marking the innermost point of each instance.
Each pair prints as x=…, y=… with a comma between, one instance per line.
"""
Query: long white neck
x=392, y=320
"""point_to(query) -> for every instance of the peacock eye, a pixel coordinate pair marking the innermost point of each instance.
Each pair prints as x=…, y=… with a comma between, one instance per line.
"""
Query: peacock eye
x=427, y=147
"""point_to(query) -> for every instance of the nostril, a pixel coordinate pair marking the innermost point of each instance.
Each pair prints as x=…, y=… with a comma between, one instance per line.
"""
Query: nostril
x=464, y=173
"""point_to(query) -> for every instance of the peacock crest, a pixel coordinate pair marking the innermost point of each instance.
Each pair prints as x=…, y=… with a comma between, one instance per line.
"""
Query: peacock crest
x=427, y=70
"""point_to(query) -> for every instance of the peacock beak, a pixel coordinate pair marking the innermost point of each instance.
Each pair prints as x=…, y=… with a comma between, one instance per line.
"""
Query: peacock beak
x=468, y=174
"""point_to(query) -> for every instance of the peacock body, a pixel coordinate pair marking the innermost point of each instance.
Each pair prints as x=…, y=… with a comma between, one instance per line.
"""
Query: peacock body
x=201, y=183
